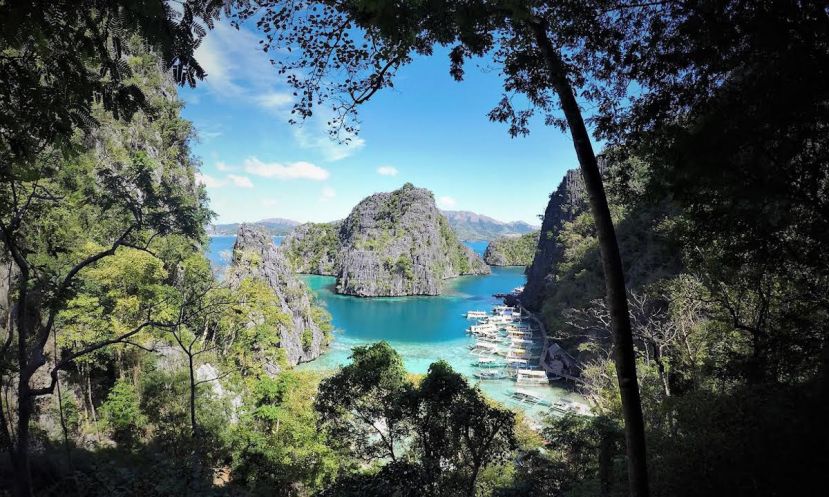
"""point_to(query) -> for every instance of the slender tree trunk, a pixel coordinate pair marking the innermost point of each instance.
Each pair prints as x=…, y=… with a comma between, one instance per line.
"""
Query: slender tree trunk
x=660, y=367
x=625, y=357
x=25, y=402
x=193, y=426
x=22, y=469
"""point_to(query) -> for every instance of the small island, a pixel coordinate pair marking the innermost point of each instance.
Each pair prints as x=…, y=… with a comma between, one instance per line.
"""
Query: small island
x=391, y=244
x=512, y=250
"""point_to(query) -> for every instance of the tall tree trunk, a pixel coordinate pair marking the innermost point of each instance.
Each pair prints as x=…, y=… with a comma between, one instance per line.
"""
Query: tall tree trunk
x=22, y=470
x=193, y=425
x=625, y=357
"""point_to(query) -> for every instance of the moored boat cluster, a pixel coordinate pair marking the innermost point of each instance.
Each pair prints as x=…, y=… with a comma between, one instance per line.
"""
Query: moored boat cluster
x=511, y=344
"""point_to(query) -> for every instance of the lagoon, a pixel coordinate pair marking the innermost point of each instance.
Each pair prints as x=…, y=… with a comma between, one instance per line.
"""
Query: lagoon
x=422, y=329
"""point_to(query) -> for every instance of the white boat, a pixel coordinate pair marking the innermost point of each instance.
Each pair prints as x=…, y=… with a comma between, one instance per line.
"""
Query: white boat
x=484, y=347
x=476, y=314
x=523, y=353
x=568, y=406
x=518, y=363
x=491, y=375
x=528, y=397
x=482, y=328
x=488, y=362
x=531, y=376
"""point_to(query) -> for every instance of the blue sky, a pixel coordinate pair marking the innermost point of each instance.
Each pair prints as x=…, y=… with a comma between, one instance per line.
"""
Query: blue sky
x=428, y=130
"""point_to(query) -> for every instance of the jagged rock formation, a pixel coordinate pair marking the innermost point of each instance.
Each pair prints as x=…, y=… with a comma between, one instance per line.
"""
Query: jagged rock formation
x=512, y=250
x=392, y=244
x=255, y=256
x=313, y=248
x=567, y=202
x=473, y=226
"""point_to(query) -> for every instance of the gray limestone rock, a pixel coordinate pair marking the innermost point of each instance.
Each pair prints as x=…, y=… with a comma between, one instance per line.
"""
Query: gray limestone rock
x=255, y=256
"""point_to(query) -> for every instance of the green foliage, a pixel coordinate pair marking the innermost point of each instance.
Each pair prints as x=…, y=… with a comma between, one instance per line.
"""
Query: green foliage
x=276, y=444
x=405, y=266
x=307, y=338
x=250, y=329
x=79, y=64
x=373, y=388
x=121, y=413
x=316, y=250
x=512, y=251
x=439, y=437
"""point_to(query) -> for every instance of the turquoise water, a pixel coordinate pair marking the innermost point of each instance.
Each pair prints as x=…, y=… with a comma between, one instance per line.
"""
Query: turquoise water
x=422, y=329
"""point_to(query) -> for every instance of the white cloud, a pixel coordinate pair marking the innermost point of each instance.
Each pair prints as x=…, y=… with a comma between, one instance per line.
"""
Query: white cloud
x=275, y=99
x=446, y=202
x=221, y=166
x=238, y=68
x=213, y=182
x=387, y=171
x=270, y=202
x=208, y=181
x=295, y=170
x=328, y=193
x=313, y=134
x=240, y=181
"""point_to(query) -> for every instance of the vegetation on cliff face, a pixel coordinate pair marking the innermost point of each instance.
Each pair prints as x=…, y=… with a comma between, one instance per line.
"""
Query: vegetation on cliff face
x=512, y=250
x=313, y=248
x=391, y=244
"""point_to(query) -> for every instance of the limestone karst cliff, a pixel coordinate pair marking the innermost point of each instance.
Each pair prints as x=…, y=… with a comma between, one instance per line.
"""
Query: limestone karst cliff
x=567, y=202
x=255, y=256
x=391, y=244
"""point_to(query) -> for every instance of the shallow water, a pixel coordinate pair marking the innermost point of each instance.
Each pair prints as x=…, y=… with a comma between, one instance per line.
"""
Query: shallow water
x=422, y=329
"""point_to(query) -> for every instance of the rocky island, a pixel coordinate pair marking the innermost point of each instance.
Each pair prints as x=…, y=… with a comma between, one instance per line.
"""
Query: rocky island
x=512, y=250
x=305, y=333
x=391, y=244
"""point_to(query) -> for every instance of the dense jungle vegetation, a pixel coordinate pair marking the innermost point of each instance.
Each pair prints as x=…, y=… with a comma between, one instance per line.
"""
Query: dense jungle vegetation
x=700, y=313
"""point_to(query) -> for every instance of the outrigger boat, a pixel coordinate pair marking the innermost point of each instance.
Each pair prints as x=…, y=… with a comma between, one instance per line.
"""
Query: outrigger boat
x=482, y=328
x=484, y=348
x=491, y=375
x=476, y=314
x=529, y=397
x=518, y=363
x=565, y=406
x=488, y=362
x=531, y=376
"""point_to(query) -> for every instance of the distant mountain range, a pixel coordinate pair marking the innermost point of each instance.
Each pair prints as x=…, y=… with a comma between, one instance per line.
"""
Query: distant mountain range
x=467, y=225
x=472, y=226
x=273, y=226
